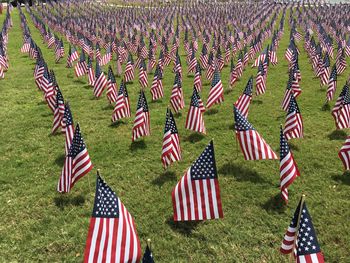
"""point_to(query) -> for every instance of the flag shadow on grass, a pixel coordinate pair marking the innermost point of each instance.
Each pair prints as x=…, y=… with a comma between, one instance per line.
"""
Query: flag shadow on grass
x=194, y=137
x=274, y=204
x=342, y=178
x=185, y=228
x=337, y=135
x=228, y=91
x=79, y=81
x=241, y=173
x=138, y=145
x=211, y=112
x=166, y=176
x=63, y=200
x=117, y=124
x=108, y=107
x=59, y=161
x=258, y=102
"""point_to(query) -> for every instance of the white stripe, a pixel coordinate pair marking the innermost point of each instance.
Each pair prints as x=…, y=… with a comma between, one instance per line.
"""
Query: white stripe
x=206, y=200
x=93, y=240
x=110, y=240
x=213, y=196
x=102, y=241
x=189, y=183
x=119, y=233
x=184, y=198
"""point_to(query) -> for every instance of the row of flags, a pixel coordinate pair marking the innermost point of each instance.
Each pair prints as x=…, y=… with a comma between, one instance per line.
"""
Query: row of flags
x=6, y=26
x=200, y=183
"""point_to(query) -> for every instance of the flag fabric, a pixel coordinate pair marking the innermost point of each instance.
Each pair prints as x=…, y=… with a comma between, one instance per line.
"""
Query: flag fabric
x=197, y=78
x=216, y=93
x=339, y=103
x=122, y=105
x=112, y=235
x=147, y=256
x=129, y=69
x=142, y=119
x=243, y=102
x=171, y=151
x=260, y=80
x=253, y=146
x=59, y=111
x=344, y=154
x=233, y=74
x=197, y=195
x=177, y=98
x=195, y=120
x=157, y=90
x=343, y=114
x=288, y=168
x=80, y=68
x=67, y=128
x=143, y=79
x=294, y=122
x=111, y=86
x=77, y=163
x=91, y=73
x=100, y=81
x=301, y=237
x=332, y=84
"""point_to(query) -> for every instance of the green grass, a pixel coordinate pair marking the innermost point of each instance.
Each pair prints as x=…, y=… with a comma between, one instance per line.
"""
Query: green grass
x=38, y=224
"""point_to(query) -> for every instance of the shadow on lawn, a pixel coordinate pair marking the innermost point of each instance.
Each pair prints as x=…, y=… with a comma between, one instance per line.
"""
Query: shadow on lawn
x=274, y=204
x=184, y=228
x=228, y=91
x=59, y=161
x=241, y=173
x=337, y=135
x=108, y=107
x=167, y=176
x=79, y=81
x=292, y=146
x=117, y=124
x=137, y=145
x=343, y=178
x=258, y=102
x=63, y=201
x=194, y=137
x=211, y=112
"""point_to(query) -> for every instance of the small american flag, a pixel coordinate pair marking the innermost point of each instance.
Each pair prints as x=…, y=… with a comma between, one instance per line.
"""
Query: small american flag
x=90, y=72
x=243, y=102
x=77, y=163
x=301, y=237
x=157, y=85
x=343, y=114
x=294, y=122
x=143, y=79
x=252, y=144
x=339, y=103
x=344, y=154
x=233, y=74
x=171, y=151
x=288, y=168
x=59, y=111
x=80, y=68
x=100, y=81
x=216, y=93
x=111, y=86
x=197, y=195
x=195, y=120
x=177, y=98
x=112, y=235
x=197, y=78
x=260, y=80
x=332, y=84
x=129, y=69
x=142, y=119
x=122, y=105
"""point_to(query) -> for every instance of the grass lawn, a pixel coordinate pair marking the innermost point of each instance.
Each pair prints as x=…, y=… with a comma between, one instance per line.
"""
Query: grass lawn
x=39, y=224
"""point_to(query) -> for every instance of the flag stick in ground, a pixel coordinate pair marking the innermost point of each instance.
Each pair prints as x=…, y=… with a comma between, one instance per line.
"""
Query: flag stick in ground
x=298, y=224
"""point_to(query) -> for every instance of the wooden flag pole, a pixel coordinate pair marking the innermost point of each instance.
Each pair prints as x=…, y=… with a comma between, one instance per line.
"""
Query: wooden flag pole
x=298, y=224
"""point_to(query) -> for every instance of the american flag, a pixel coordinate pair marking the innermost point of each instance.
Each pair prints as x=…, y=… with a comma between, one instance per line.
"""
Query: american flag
x=294, y=122
x=157, y=90
x=39, y=72
x=177, y=98
x=252, y=144
x=197, y=78
x=292, y=88
x=77, y=163
x=260, y=80
x=210, y=67
x=344, y=154
x=216, y=93
x=148, y=256
x=112, y=235
x=100, y=81
x=193, y=63
x=341, y=63
x=142, y=119
x=332, y=84
x=324, y=74
x=343, y=114
x=143, y=79
x=59, y=53
x=90, y=72
x=233, y=74
x=288, y=168
x=197, y=195
x=339, y=103
x=122, y=105
x=177, y=65
x=203, y=59
x=80, y=68
x=111, y=86
x=195, y=120
x=59, y=111
x=67, y=128
x=171, y=151
x=106, y=58
x=129, y=69
x=301, y=237
x=243, y=102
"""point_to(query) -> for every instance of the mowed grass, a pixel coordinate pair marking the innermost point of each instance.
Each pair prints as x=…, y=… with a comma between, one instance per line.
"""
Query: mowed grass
x=39, y=224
